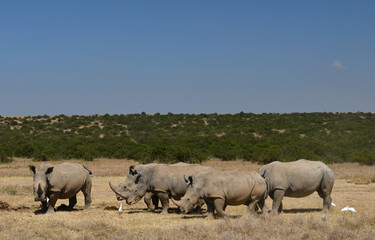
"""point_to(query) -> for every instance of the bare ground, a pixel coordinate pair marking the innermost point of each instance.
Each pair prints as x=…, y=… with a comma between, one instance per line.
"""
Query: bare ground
x=302, y=218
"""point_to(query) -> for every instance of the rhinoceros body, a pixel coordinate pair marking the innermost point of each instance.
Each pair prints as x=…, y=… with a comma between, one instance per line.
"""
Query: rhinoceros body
x=162, y=180
x=222, y=188
x=61, y=182
x=151, y=199
x=297, y=179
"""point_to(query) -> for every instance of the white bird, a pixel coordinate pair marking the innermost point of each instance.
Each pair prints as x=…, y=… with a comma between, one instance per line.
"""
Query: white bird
x=47, y=200
x=333, y=204
x=120, y=208
x=347, y=208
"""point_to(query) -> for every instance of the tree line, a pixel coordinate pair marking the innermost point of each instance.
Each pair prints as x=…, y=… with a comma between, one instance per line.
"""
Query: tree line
x=262, y=138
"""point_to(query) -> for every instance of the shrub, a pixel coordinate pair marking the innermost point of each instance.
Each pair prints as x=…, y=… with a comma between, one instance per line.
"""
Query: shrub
x=88, y=156
x=4, y=156
x=40, y=156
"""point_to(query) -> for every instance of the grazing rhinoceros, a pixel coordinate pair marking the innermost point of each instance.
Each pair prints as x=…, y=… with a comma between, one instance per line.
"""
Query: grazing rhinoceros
x=162, y=180
x=297, y=179
x=60, y=182
x=151, y=199
x=222, y=188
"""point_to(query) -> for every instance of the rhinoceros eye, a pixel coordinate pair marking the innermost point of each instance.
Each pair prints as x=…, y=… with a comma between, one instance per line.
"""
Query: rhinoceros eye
x=124, y=187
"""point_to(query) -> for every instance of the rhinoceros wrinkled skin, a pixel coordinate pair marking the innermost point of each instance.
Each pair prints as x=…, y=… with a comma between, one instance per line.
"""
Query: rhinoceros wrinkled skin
x=297, y=179
x=222, y=188
x=60, y=182
x=162, y=180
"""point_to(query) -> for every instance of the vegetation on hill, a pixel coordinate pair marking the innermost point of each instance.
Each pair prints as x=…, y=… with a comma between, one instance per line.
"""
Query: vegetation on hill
x=263, y=138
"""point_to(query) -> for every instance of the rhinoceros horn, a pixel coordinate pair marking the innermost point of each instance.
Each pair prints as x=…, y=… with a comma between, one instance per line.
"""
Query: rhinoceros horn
x=113, y=189
x=178, y=203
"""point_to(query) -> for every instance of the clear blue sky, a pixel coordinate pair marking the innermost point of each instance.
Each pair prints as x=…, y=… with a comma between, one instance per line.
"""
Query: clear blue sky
x=120, y=57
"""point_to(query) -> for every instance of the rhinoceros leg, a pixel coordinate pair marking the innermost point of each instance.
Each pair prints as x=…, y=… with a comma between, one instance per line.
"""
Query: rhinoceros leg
x=327, y=203
x=210, y=209
x=251, y=207
x=44, y=206
x=164, y=199
x=327, y=200
x=277, y=205
x=155, y=201
x=151, y=201
x=325, y=192
x=52, y=201
x=219, y=206
x=72, y=201
x=86, y=190
x=199, y=205
x=262, y=206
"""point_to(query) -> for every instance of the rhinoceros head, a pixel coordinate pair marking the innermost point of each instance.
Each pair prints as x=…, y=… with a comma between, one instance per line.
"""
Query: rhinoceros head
x=133, y=189
x=41, y=183
x=191, y=197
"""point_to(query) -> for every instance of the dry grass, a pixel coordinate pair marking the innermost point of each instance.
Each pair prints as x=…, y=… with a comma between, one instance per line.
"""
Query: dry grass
x=300, y=220
x=363, y=179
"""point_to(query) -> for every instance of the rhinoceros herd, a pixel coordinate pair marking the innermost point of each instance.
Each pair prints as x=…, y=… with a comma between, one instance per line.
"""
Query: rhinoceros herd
x=190, y=185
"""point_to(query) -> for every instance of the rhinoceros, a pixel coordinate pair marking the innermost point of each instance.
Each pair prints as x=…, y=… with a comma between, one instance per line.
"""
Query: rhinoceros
x=222, y=188
x=162, y=180
x=297, y=179
x=151, y=199
x=60, y=182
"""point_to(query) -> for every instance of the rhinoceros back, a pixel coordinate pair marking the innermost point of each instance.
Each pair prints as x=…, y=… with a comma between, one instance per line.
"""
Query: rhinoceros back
x=298, y=179
x=69, y=179
x=170, y=178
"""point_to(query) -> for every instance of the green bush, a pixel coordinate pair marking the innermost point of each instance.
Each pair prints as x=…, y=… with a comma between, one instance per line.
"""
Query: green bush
x=263, y=138
x=4, y=157
x=365, y=157
x=40, y=157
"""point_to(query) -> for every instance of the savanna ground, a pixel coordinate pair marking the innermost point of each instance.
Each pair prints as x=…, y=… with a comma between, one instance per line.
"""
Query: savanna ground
x=302, y=218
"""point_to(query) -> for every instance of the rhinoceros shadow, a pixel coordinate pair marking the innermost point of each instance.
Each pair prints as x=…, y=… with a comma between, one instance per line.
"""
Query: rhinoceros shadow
x=61, y=208
x=216, y=216
x=302, y=210
x=137, y=210
x=194, y=216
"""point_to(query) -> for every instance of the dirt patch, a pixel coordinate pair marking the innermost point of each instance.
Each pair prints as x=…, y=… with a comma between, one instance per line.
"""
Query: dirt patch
x=5, y=206
x=111, y=208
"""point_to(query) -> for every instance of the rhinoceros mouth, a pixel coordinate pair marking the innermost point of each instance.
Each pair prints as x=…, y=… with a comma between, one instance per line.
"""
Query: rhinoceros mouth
x=133, y=201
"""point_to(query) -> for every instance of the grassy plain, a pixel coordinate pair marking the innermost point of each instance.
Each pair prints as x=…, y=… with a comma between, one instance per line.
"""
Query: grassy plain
x=302, y=218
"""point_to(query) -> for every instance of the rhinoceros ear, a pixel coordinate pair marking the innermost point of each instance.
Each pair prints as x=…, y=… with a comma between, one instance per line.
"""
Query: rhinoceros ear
x=190, y=180
x=49, y=170
x=32, y=169
x=138, y=178
x=132, y=171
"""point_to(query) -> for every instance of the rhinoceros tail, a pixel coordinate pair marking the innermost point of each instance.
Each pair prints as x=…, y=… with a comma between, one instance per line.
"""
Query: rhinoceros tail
x=266, y=192
x=87, y=169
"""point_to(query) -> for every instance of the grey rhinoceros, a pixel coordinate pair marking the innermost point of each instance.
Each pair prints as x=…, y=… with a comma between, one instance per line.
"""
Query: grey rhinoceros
x=222, y=188
x=297, y=179
x=162, y=180
x=151, y=199
x=60, y=182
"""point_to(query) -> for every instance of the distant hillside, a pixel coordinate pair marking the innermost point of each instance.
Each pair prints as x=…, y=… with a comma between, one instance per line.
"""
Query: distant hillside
x=330, y=137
